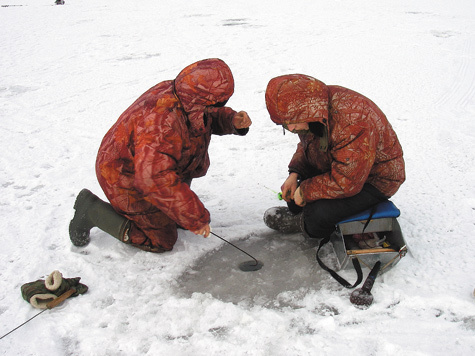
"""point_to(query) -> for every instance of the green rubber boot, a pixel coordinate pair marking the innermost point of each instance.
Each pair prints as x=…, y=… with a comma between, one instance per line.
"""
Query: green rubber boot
x=93, y=212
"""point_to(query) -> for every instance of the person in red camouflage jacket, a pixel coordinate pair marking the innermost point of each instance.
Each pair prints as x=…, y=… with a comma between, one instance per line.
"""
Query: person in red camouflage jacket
x=348, y=158
x=147, y=160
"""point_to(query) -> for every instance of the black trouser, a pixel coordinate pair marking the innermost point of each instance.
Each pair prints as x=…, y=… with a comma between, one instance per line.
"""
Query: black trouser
x=321, y=216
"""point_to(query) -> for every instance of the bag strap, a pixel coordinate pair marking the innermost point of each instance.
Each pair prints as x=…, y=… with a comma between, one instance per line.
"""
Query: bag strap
x=356, y=262
x=341, y=280
x=373, y=210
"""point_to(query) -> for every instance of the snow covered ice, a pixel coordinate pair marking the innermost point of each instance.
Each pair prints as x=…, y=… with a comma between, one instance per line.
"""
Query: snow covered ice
x=69, y=71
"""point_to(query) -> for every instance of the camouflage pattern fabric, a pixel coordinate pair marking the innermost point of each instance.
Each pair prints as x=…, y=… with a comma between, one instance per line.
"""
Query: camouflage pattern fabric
x=360, y=144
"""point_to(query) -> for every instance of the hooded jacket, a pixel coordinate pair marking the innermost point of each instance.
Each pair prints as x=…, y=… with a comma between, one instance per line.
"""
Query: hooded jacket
x=358, y=144
x=161, y=141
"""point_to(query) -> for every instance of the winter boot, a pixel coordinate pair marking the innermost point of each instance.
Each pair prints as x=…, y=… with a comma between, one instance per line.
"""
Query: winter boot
x=282, y=219
x=93, y=212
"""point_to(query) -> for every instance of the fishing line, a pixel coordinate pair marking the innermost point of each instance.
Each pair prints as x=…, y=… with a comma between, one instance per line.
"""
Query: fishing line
x=19, y=326
x=49, y=306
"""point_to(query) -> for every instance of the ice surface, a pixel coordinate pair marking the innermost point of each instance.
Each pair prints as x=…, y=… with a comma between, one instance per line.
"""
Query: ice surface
x=69, y=71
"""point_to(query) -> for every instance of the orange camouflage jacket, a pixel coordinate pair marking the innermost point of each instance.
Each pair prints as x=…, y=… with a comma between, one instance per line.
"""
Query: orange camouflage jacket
x=162, y=140
x=358, y=145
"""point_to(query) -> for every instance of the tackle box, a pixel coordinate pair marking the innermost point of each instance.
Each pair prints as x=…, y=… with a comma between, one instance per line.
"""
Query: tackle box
x=381, y=220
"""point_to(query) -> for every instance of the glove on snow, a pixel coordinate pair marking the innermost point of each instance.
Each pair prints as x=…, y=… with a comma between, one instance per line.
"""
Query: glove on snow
x=39, y=293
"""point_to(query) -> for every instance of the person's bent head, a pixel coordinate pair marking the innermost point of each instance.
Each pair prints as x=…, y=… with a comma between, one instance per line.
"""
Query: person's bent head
x=297, y=101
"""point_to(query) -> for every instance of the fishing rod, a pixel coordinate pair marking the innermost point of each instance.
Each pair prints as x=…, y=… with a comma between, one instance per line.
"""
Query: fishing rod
x=246, y=266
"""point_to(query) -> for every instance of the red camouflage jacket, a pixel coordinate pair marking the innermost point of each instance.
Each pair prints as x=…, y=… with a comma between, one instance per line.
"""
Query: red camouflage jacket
x=358, y=146
x=162, y=140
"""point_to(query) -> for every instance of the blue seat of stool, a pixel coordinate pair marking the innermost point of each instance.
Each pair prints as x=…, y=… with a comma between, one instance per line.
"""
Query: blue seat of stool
x=385, y=209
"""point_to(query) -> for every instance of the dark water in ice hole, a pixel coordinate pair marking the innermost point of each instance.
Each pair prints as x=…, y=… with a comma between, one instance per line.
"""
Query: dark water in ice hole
x=290, y=271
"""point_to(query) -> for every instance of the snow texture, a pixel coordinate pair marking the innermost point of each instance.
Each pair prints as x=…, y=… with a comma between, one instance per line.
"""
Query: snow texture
x=69, y=71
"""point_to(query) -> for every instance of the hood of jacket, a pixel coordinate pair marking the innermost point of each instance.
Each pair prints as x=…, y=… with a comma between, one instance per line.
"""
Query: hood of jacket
x=201, y=84
x=297, y=98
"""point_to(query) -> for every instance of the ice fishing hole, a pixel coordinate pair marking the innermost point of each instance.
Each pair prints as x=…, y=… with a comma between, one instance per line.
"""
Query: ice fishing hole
x=290, y=271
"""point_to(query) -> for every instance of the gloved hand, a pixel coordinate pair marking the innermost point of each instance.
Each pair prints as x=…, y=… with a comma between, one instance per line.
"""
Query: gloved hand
x=39, y=293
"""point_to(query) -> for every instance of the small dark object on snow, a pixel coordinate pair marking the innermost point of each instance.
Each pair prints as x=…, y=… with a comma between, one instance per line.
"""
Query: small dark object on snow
x=250, y=266
x=59, y=2
x=362, y=297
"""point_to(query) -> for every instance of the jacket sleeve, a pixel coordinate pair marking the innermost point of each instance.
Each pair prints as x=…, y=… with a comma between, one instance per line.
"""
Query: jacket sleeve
x=222, y=121
x=299, y=163
x=353, y=154
x=157, y=150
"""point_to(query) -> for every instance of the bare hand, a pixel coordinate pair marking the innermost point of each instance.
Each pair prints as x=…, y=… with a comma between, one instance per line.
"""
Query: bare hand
x=241, y=120
x=298, y=197
x=205, y=231
x=289, y=187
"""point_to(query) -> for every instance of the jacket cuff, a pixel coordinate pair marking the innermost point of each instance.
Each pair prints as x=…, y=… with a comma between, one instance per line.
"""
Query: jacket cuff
x=294, y=171
x=241, y=132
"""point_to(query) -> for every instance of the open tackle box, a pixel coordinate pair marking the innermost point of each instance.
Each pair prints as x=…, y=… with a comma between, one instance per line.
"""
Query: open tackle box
x=382, y=221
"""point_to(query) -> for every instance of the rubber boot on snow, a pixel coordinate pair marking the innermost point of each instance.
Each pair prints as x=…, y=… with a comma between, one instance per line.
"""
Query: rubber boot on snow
x=93, y=212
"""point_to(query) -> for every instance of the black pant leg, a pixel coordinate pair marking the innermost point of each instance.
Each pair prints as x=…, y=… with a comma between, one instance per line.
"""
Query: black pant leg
x=322, y=215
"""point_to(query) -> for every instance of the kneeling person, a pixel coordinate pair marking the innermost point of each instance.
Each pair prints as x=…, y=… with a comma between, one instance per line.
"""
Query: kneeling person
x=147, y=160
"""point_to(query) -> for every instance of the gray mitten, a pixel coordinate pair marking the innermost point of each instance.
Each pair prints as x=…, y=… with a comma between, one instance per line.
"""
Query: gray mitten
x=39, y=293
